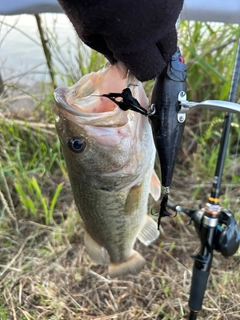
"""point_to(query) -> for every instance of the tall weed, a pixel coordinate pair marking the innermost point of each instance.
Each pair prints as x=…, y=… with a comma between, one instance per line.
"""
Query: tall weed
x=209, y=50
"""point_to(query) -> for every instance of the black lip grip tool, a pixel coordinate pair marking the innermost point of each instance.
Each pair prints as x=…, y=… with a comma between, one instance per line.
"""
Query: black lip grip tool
x=167, y=122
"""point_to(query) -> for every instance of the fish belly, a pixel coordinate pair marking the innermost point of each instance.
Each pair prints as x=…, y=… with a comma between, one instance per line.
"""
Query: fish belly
x=112, y=219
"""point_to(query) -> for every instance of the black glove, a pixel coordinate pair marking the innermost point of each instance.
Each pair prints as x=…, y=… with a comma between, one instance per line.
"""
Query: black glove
x=140, y=33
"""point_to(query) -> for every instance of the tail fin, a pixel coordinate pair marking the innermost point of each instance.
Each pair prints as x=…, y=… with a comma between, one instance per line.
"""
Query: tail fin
x=131, y=266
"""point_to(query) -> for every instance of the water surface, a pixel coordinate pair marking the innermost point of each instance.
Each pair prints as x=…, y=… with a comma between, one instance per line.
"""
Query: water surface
x=21, y=54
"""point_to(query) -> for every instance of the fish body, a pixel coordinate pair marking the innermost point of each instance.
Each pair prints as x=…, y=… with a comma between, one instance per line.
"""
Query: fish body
x=110, y=157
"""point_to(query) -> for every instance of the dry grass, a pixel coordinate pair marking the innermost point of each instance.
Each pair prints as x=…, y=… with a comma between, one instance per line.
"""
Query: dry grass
x=45, y=274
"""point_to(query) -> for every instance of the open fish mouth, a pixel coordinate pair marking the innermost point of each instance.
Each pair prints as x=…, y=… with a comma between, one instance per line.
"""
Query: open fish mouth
x=85, y=98
x=86, y=105
x=95, y=111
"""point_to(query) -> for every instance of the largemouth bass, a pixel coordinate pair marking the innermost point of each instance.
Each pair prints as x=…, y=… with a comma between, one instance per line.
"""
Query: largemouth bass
x=110, y=156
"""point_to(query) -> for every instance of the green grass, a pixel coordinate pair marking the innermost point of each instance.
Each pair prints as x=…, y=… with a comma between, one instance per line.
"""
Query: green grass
x=209, y=50
x=44, y=271
x=30, y=156
x=5, y=315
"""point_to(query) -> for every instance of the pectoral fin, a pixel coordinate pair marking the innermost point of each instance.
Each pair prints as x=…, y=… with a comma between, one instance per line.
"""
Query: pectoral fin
x=155, y=186
x=149, y=232
x=95, y=251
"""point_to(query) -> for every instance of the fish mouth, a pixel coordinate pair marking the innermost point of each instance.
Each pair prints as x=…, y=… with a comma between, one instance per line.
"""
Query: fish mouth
x=84, y=103
x=87, y=106
x=94, y=111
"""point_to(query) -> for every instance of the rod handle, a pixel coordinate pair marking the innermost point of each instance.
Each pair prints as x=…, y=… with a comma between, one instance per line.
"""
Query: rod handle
x=198, y=287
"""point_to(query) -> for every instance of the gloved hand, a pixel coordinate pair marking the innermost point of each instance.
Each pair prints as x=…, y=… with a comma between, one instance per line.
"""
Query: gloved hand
x=140, y=33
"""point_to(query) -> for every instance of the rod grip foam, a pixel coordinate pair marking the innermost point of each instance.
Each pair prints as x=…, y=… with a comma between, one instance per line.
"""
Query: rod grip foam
x=198, y=287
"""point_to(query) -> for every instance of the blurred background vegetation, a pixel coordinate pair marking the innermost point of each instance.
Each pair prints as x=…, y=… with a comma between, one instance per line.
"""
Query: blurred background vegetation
x=33, y=178
x=30, y=150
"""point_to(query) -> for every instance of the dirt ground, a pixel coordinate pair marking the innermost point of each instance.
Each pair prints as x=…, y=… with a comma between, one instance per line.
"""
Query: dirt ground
x=46, y=274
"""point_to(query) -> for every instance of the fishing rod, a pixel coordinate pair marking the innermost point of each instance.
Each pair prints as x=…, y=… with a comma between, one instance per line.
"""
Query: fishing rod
x=215, y=226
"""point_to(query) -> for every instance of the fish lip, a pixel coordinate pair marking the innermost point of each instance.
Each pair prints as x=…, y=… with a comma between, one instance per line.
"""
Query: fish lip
x=61, y=100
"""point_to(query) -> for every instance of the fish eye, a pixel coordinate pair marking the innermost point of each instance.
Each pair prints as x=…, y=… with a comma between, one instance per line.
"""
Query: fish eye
x=76, y=144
